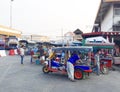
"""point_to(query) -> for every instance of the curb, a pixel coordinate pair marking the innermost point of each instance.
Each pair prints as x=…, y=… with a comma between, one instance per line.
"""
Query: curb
x=115, y=68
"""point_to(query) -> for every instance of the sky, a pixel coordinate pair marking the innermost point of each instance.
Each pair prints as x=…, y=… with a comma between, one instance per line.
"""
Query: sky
x=49, y=17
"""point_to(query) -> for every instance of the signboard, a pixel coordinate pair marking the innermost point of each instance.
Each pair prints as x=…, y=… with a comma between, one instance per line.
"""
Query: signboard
x=98, y=41
x=111, y=0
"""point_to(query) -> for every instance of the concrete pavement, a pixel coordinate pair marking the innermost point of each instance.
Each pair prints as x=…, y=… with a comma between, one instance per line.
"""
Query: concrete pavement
x=15, y=77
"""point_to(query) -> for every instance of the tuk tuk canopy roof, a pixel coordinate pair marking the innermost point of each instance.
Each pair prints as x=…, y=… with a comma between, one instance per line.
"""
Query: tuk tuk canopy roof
x=81, y=49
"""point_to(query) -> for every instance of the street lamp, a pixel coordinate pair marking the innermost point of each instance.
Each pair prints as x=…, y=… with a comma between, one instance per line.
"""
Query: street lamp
x=11, y=13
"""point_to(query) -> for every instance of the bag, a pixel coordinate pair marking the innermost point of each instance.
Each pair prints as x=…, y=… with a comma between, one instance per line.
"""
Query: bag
x=18, y=51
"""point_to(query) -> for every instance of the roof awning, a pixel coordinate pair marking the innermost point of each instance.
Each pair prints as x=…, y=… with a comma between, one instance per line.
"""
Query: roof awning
x=104, y=6
x=97, y=41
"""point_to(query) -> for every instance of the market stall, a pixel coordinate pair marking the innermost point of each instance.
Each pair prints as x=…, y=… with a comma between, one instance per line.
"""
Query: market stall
x=105, y=46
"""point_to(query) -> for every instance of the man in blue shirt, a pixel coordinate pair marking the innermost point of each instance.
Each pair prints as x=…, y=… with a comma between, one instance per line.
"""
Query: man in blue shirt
x=70, y=65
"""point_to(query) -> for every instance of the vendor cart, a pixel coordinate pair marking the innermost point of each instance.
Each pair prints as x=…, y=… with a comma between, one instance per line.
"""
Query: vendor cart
x=104, y=45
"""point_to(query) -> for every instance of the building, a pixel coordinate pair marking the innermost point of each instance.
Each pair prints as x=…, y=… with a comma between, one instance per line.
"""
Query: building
x=78, y=35
x=69, y=36
x=7, y=32
x=107, y=22
x=33, y=37
x=9, y=37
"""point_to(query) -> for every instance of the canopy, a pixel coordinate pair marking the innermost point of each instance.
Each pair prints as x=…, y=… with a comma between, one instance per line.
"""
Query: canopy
x=82, y=49
x=97, y=41
x=65, y=42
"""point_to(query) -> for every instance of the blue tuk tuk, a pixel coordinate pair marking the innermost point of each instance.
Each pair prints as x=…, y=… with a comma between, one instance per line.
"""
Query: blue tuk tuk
x=57, y=63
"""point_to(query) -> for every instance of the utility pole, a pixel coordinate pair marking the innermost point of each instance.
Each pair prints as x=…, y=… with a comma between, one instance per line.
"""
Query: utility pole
x=62, y=38
x=11, y=13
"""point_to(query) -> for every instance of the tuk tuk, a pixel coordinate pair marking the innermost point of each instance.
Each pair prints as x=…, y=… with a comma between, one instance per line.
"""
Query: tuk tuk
x=57, y=61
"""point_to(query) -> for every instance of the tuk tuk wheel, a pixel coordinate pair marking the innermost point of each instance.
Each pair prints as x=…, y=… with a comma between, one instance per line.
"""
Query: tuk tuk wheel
x=104, y=69
x=45, y=69
x=78, y=74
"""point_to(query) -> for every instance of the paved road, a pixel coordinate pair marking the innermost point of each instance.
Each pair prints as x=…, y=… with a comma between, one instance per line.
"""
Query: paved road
x=15, y=77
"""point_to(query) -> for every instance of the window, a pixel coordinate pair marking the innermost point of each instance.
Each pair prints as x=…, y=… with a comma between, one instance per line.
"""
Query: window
x=116, y=27
x=117, y=11
x=117, y=5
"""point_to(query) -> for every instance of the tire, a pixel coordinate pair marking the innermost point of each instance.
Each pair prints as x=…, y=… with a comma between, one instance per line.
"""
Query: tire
x=78, y=74
x=104, y=69
x=45, y=69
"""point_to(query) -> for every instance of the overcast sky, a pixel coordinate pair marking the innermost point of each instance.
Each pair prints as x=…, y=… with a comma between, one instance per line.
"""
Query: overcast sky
x=49, y=17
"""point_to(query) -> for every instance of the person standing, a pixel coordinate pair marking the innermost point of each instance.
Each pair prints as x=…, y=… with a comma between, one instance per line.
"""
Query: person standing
x=89, y=56
x=41, y=54
x=49, y=51
x=31, y=54
x=45, y=52
x=22, y=53
x=97, y=62
x=70, y=65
